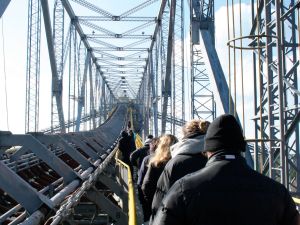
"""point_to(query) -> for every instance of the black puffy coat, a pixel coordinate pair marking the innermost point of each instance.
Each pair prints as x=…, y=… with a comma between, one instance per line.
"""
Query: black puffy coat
x=186, y=158
x=132, y=142
x=125, y=147
x=228, y=192
x=137, y=157
x=142, y=172
x=149, y=187
x=143, y=169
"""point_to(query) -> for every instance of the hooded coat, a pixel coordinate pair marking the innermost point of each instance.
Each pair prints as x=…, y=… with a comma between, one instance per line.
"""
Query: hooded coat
x=226, y=191
x=186, y=158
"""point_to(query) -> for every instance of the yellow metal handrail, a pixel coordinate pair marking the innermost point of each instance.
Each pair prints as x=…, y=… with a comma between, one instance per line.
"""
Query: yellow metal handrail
x=296, y=200
x=138, y=139
x=131, y=198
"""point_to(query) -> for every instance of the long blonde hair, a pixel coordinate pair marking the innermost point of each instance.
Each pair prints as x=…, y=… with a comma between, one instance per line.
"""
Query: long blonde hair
x=162, y=152
x=195, y=126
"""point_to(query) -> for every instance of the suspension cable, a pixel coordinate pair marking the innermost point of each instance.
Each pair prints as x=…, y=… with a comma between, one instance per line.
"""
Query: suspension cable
x=229, y=56
x=234, y=58
x=242, y=69
x=260, y=84
x=4, y=71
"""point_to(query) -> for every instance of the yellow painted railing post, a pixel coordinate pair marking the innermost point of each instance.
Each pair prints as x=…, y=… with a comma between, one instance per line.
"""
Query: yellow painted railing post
x=131, y=197
x=297, y=201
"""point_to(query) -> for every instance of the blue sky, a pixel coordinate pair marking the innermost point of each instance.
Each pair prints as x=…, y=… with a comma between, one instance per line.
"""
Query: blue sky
x=14, y=25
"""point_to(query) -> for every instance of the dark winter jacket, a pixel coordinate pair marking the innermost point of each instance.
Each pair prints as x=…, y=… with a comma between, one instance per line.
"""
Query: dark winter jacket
x=143, y=169
x=132, y=142
x=124, y=147
x=228, y=192
x=141, y=174
x=186, y=158
x=149, y=186
x=136, y=157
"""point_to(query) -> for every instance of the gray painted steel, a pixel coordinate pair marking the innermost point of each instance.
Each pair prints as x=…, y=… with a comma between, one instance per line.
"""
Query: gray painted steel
x=3, y=6
x=42, y=153
x=56, y=87
x=21, y=191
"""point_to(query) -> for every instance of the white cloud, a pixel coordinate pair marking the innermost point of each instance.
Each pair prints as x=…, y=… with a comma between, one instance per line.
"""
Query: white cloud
x=222, y=48
x=221, y=38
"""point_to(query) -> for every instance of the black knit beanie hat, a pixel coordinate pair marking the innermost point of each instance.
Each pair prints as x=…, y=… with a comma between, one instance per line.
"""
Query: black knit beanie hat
x=224, y=133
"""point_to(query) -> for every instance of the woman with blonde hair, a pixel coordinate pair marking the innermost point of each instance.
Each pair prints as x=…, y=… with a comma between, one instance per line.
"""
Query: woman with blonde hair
x=156, y=165
x=187, y=157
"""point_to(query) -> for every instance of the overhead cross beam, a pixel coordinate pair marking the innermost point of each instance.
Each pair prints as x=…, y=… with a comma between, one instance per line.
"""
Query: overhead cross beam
x=137, y=8
x=72, y=16
x=93, y=8
x=117, y=18
x=3, y=6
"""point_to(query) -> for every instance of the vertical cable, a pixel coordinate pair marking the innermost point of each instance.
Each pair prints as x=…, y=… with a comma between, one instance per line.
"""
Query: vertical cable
x=189, y=49
x=229, y=57
x=4, y=71
x=70, y=77
x=234, y=57
x=75, y=68
x=298, y=28
x=242, y=69
x=260, y=83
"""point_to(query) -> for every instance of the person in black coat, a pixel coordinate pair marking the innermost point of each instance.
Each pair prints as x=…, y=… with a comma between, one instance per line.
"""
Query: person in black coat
x=136, y=157
x=141, y=174
x=132, y=140
x=156, y=165
x=187, y=157
x=144, y=166
x=226, y=190
x=124, y=147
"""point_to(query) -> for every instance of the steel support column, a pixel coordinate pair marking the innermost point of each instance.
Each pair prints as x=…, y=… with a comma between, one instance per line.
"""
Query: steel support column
x=167, y=77
x=56, y=84
x=276, y=90
x=58, y=41
x=33, y=66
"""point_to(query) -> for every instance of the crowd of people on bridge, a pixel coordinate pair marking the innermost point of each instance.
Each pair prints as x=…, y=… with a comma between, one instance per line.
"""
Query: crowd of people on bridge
x=204, y=179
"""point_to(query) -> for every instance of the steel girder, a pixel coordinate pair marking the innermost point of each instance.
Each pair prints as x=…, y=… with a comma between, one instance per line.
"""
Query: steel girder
x=178, y=61
x=276, y=90
x=97, y=71
x=33, y=66
x=3, y=6
x=153, y=79
x=64, y=50
x=50, y=167
x=81, y=99
x=203, y=104
x=202, y=97
x=166, y=36
x=92, y=30
x=58, y=41
x=165, y=66
x=202, y=21
x=56, y=84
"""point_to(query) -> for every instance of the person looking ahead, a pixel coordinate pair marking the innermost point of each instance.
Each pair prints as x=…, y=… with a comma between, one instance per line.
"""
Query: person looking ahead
x=226, y=190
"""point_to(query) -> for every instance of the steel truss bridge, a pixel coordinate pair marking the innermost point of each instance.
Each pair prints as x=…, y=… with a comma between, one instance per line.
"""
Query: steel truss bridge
x=158, y=58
